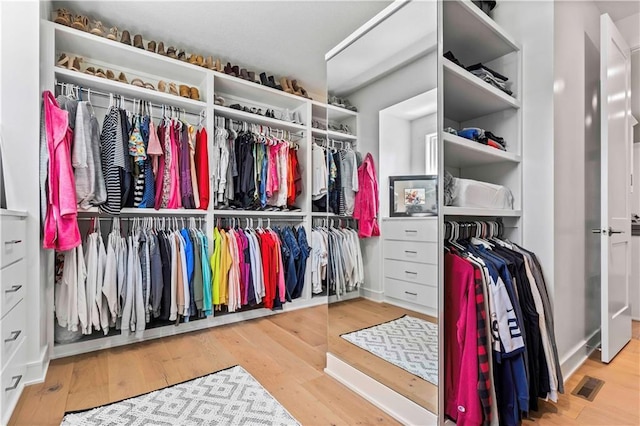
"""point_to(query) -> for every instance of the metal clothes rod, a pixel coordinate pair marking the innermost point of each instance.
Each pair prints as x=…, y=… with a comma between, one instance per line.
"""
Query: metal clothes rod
x=232, y=121
x=90, y=91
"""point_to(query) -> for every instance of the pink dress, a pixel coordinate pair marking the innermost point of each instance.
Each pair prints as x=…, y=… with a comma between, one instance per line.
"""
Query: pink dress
x=60, y=224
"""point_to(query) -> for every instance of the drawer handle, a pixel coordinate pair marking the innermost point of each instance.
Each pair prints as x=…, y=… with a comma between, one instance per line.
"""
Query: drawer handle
x=14, y=336
x=411, y=252
x=16, y=382
x=408, y=231
x=14, y=288
x=409, y=293
x=410, y=273
x=13, y=242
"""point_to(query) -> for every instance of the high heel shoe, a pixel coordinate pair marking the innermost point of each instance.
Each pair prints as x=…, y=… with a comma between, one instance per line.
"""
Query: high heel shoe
x=296, y=89
x=218, y=66
x=113, y=34
x=63, y=61
x=209, y=63
x=151, y=46
x=75, y=64
x=285, y=85
x=161, y=49
x=80, y=22
x=126, y=38
x=63, y=17
x=137, y=41
x=97, y=28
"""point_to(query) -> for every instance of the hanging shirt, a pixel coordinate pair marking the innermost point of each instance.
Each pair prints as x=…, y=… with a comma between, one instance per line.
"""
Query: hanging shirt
x=202, y=168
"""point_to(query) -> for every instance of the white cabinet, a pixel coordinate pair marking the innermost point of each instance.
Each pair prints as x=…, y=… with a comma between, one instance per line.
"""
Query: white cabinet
x=13, y=319
x=410, y=266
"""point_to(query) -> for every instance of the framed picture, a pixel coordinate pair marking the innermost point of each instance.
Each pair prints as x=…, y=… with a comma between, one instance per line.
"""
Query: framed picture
x=413, y=195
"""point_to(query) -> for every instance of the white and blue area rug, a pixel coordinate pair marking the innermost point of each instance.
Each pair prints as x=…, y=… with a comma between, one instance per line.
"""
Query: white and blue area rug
x=407, y=342
x=228, y=397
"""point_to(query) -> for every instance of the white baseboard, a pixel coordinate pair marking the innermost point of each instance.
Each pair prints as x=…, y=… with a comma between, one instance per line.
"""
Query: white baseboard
x=578, y=355
x=402, y=409
x=412, y=306
x=37, y=370
x=373, y=295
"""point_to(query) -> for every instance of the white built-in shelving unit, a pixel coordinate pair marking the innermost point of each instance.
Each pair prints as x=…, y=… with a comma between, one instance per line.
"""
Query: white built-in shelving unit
x=468, y=101
x=103, y=53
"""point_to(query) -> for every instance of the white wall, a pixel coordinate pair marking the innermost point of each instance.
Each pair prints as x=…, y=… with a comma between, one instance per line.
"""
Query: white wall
x=19, y=82
x=420, y=128
x=577, y=198
x=630, y=29
x=408, y=81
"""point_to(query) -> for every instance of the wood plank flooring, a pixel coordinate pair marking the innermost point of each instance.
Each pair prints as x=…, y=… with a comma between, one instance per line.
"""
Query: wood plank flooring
x=285, y=353
x=360, y=313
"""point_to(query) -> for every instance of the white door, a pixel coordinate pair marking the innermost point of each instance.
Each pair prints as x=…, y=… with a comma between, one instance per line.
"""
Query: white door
x=615, y=96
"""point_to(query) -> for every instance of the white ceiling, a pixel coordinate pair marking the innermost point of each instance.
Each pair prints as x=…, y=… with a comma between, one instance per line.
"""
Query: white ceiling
x=619, y=9
x=283, y=38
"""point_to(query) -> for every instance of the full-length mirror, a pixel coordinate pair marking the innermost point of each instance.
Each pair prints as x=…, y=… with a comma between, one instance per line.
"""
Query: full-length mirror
x=375, y=195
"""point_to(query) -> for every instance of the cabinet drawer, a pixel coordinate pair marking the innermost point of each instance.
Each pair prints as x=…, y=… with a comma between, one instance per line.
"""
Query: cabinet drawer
x=419, y=273
x=12, y=331
x=411, y=251
x=410, y=292
x=12, y=240
x=12, y=286
x=12, y=383
x=411, y=230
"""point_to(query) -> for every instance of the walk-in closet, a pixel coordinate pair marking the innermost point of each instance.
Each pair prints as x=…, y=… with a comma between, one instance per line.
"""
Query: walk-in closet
x=415, y=212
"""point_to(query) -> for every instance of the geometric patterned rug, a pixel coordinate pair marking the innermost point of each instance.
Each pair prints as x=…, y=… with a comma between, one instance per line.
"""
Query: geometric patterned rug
x=228, y=397
x=407, y=342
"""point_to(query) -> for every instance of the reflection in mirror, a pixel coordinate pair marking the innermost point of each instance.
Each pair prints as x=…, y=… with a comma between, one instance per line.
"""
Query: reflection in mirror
x=381, y=269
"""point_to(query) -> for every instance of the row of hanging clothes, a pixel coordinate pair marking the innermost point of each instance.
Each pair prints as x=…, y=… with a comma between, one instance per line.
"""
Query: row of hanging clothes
x=346, y=184
x=129, y=161
x=155, y=270
x=500, y=353
x=337, y=265
x=255, y=167
x=335, y=176
x=257, y=267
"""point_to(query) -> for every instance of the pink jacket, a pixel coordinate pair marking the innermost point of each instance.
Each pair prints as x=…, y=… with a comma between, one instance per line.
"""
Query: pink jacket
x=60, y=224
x=367, y=202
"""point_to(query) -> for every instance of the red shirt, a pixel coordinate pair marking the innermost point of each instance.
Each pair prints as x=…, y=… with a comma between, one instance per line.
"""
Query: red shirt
x=202, y=168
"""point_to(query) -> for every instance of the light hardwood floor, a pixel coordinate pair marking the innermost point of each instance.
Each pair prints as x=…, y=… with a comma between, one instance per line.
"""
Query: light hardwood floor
x=286, y=354
x=361, y=313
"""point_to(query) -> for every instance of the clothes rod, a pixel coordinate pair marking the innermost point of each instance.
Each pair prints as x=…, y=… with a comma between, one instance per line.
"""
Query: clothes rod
x=299, y=135
x=90, y=91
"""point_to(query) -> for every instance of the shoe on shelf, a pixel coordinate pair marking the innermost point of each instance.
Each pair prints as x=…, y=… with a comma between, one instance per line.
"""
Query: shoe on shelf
x=194, y=93
x=80, y=22
x=184, y=91
x=244, y=74
x=235, y=70
x=218, y=100
x=149, y=86
x=350, y=107
x=218, y=66
x=171, y=52
x=137, y=82
x=113, y=34
x=161, y=49
x=151, y=46
x=272, y=83
x=90, y=71
x=252, y=77
x=200, y=60
x=192, y=59
x=182, y=55
x=264, y=80
x=305, y=94
x=173, y=89
x=100, y=73
x=63, y=61
x=236, y=106
x=137, y=41
x=285, y=85
x=97, y=28
x=63, y=17
x=126, y=38
x=75, y=64
x=110, y=75
x=208, y=63
x=123, y=78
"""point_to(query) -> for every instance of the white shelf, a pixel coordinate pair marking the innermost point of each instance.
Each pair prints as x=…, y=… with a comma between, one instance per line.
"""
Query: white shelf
x=132, y=211
x=258, y=213
x=460, y=152
x=465, y=211
x=463, y=22
x=14, y=213
x=235, y=114
x=257, y=93
x=339, y=114
x=341, y=136
x=467, y=96
x=128, y=90
x=319, y=133
x=80, y=43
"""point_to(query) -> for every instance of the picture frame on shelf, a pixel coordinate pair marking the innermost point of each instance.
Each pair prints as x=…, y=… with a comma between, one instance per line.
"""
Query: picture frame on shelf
x=413, y=195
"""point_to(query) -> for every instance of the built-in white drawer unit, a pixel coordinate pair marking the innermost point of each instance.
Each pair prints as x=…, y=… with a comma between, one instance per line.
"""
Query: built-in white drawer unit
x=411, y=251
x=12, y=285
x=419, y=273
x=411, y=292
x=411, y=229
